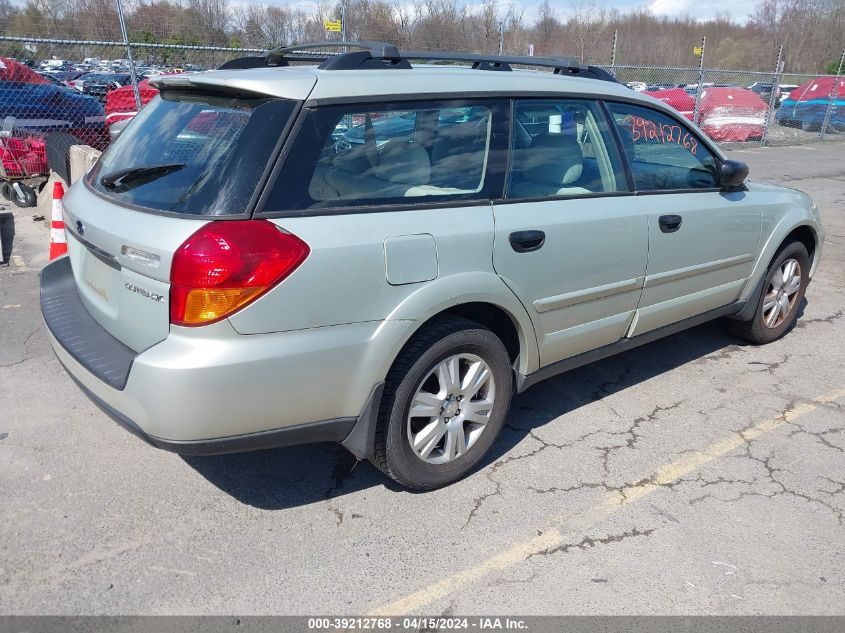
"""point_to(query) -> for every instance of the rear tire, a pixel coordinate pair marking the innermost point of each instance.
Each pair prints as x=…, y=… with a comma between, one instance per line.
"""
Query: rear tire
x=458, y=377
x=6, y=190
x=777, y=308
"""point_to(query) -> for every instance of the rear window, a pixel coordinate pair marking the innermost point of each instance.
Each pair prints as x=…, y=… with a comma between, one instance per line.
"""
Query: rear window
x=193, y=154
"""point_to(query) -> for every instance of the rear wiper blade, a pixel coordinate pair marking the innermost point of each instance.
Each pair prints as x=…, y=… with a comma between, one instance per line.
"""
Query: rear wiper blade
x=138, y=175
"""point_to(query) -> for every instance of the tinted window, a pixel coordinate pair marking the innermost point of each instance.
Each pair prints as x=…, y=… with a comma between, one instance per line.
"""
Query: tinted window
x=392, y=154
x=193, y=154
x=664, y=154
x=562, y=147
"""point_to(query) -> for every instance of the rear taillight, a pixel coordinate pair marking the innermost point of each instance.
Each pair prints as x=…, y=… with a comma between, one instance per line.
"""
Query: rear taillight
x=226, y=265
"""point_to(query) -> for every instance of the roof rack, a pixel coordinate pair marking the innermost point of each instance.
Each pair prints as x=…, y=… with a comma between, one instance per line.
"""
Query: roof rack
x=385, y=56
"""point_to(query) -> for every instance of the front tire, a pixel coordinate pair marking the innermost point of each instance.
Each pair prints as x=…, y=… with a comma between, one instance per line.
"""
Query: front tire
x=777, y=309
x=445, y=400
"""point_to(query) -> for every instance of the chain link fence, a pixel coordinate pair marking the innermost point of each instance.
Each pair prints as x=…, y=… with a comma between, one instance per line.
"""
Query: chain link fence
x=82, y=87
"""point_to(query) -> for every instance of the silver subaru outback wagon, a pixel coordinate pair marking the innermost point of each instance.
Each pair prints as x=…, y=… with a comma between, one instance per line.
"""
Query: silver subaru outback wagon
x=382, y=254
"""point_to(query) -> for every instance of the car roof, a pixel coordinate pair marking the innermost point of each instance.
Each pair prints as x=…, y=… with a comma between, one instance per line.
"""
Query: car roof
x=309, y=82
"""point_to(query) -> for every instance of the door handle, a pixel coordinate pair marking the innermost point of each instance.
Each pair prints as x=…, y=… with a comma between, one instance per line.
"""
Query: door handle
x=670, y=223
x=527, y=241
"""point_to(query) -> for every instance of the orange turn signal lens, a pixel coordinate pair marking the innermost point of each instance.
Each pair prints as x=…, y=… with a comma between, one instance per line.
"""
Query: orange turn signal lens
x=203, y=305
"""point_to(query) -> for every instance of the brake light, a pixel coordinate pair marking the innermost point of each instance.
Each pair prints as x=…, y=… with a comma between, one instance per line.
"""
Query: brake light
x=226, y=265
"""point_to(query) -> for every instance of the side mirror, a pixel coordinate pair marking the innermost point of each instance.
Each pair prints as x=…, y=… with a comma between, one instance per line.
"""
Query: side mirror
x=733, y=174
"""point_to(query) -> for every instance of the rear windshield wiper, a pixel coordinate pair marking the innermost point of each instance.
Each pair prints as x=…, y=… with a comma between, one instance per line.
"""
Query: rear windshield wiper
x=137, y=175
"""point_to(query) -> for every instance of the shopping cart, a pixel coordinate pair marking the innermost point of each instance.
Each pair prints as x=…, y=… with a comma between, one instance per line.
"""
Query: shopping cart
x=23, y=165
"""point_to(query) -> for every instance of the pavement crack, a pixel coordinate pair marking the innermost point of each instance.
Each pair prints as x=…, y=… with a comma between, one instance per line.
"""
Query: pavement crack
x=722, y=354
x=478, y=502
x=770, y=367
x=819, y=436
x=828, y=319
x=589, y=542
x=633, y=436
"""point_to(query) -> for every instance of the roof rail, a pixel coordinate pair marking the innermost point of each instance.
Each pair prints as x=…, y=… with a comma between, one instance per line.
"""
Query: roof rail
x=561, y=65
x=381, y=55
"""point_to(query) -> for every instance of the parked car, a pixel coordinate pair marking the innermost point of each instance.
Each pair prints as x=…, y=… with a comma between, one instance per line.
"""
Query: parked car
x=54, y=64
x=100, y=84
x=120, y=103
x=807, y=105
x=764, y=90
x=677, y=98
x=65, y=77
x=50, y=78
x=32, y=104
x=235, y=283
x=637, y=86
x=785, y=90
x=725, y=114
x=732, y=114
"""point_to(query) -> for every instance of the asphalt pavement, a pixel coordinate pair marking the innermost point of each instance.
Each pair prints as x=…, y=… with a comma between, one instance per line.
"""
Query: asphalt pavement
x=694, y=475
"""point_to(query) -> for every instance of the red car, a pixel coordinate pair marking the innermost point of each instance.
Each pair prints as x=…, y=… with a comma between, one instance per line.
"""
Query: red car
x=120, y=103
x=725, y=114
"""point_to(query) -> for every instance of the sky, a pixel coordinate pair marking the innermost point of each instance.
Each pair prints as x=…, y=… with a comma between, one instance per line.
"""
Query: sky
x=701, y=9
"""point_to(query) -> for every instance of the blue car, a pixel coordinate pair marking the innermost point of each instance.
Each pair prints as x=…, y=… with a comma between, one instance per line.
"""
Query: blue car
x=807, y=106
x=29, y=105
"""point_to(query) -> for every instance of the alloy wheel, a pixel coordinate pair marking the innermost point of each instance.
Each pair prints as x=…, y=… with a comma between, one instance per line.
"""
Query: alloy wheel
x=451, y=408
x=784, y=283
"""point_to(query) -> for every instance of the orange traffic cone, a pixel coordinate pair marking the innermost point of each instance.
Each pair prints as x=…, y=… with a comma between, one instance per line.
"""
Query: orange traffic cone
x=58, y=240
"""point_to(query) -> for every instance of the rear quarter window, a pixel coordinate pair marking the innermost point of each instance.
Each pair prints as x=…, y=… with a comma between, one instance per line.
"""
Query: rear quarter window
x=193, y=154
x=404, y=153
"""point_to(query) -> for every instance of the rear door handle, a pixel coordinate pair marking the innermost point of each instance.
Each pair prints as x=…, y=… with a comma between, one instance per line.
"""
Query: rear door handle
x=527, y=241
x=670, y=223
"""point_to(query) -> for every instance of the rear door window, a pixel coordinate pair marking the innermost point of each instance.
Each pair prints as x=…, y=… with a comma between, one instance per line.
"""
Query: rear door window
x=561, y=148
x=664, y=154
x=347, y=156
x=193, y=154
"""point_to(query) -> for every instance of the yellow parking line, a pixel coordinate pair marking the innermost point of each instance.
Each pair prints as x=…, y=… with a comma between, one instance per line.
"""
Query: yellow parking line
x=553, y=536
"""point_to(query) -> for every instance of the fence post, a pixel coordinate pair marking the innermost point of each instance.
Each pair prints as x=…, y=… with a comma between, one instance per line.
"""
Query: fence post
x=132, y=72
x=773, y=97
x=613, y=53
x=834, y=92
x=501, y=37
x=700, y=81
x=343, y=31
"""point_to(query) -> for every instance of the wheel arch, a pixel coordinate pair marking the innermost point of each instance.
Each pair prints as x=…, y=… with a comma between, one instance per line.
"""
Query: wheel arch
x=805, y=234
x=793, y=227
x=481, y=297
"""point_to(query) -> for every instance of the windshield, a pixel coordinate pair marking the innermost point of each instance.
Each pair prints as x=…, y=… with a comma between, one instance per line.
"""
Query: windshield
x=193, y=154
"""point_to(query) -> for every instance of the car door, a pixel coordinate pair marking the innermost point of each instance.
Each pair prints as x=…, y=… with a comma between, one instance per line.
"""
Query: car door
x=703, y=240
x=571, y=241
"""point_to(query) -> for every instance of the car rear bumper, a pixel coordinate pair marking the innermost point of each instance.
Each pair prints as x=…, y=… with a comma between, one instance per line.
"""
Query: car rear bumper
x=211, y=390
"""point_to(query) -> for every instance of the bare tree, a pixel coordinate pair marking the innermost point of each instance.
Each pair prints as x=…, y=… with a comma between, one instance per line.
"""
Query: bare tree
x=588, y=20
